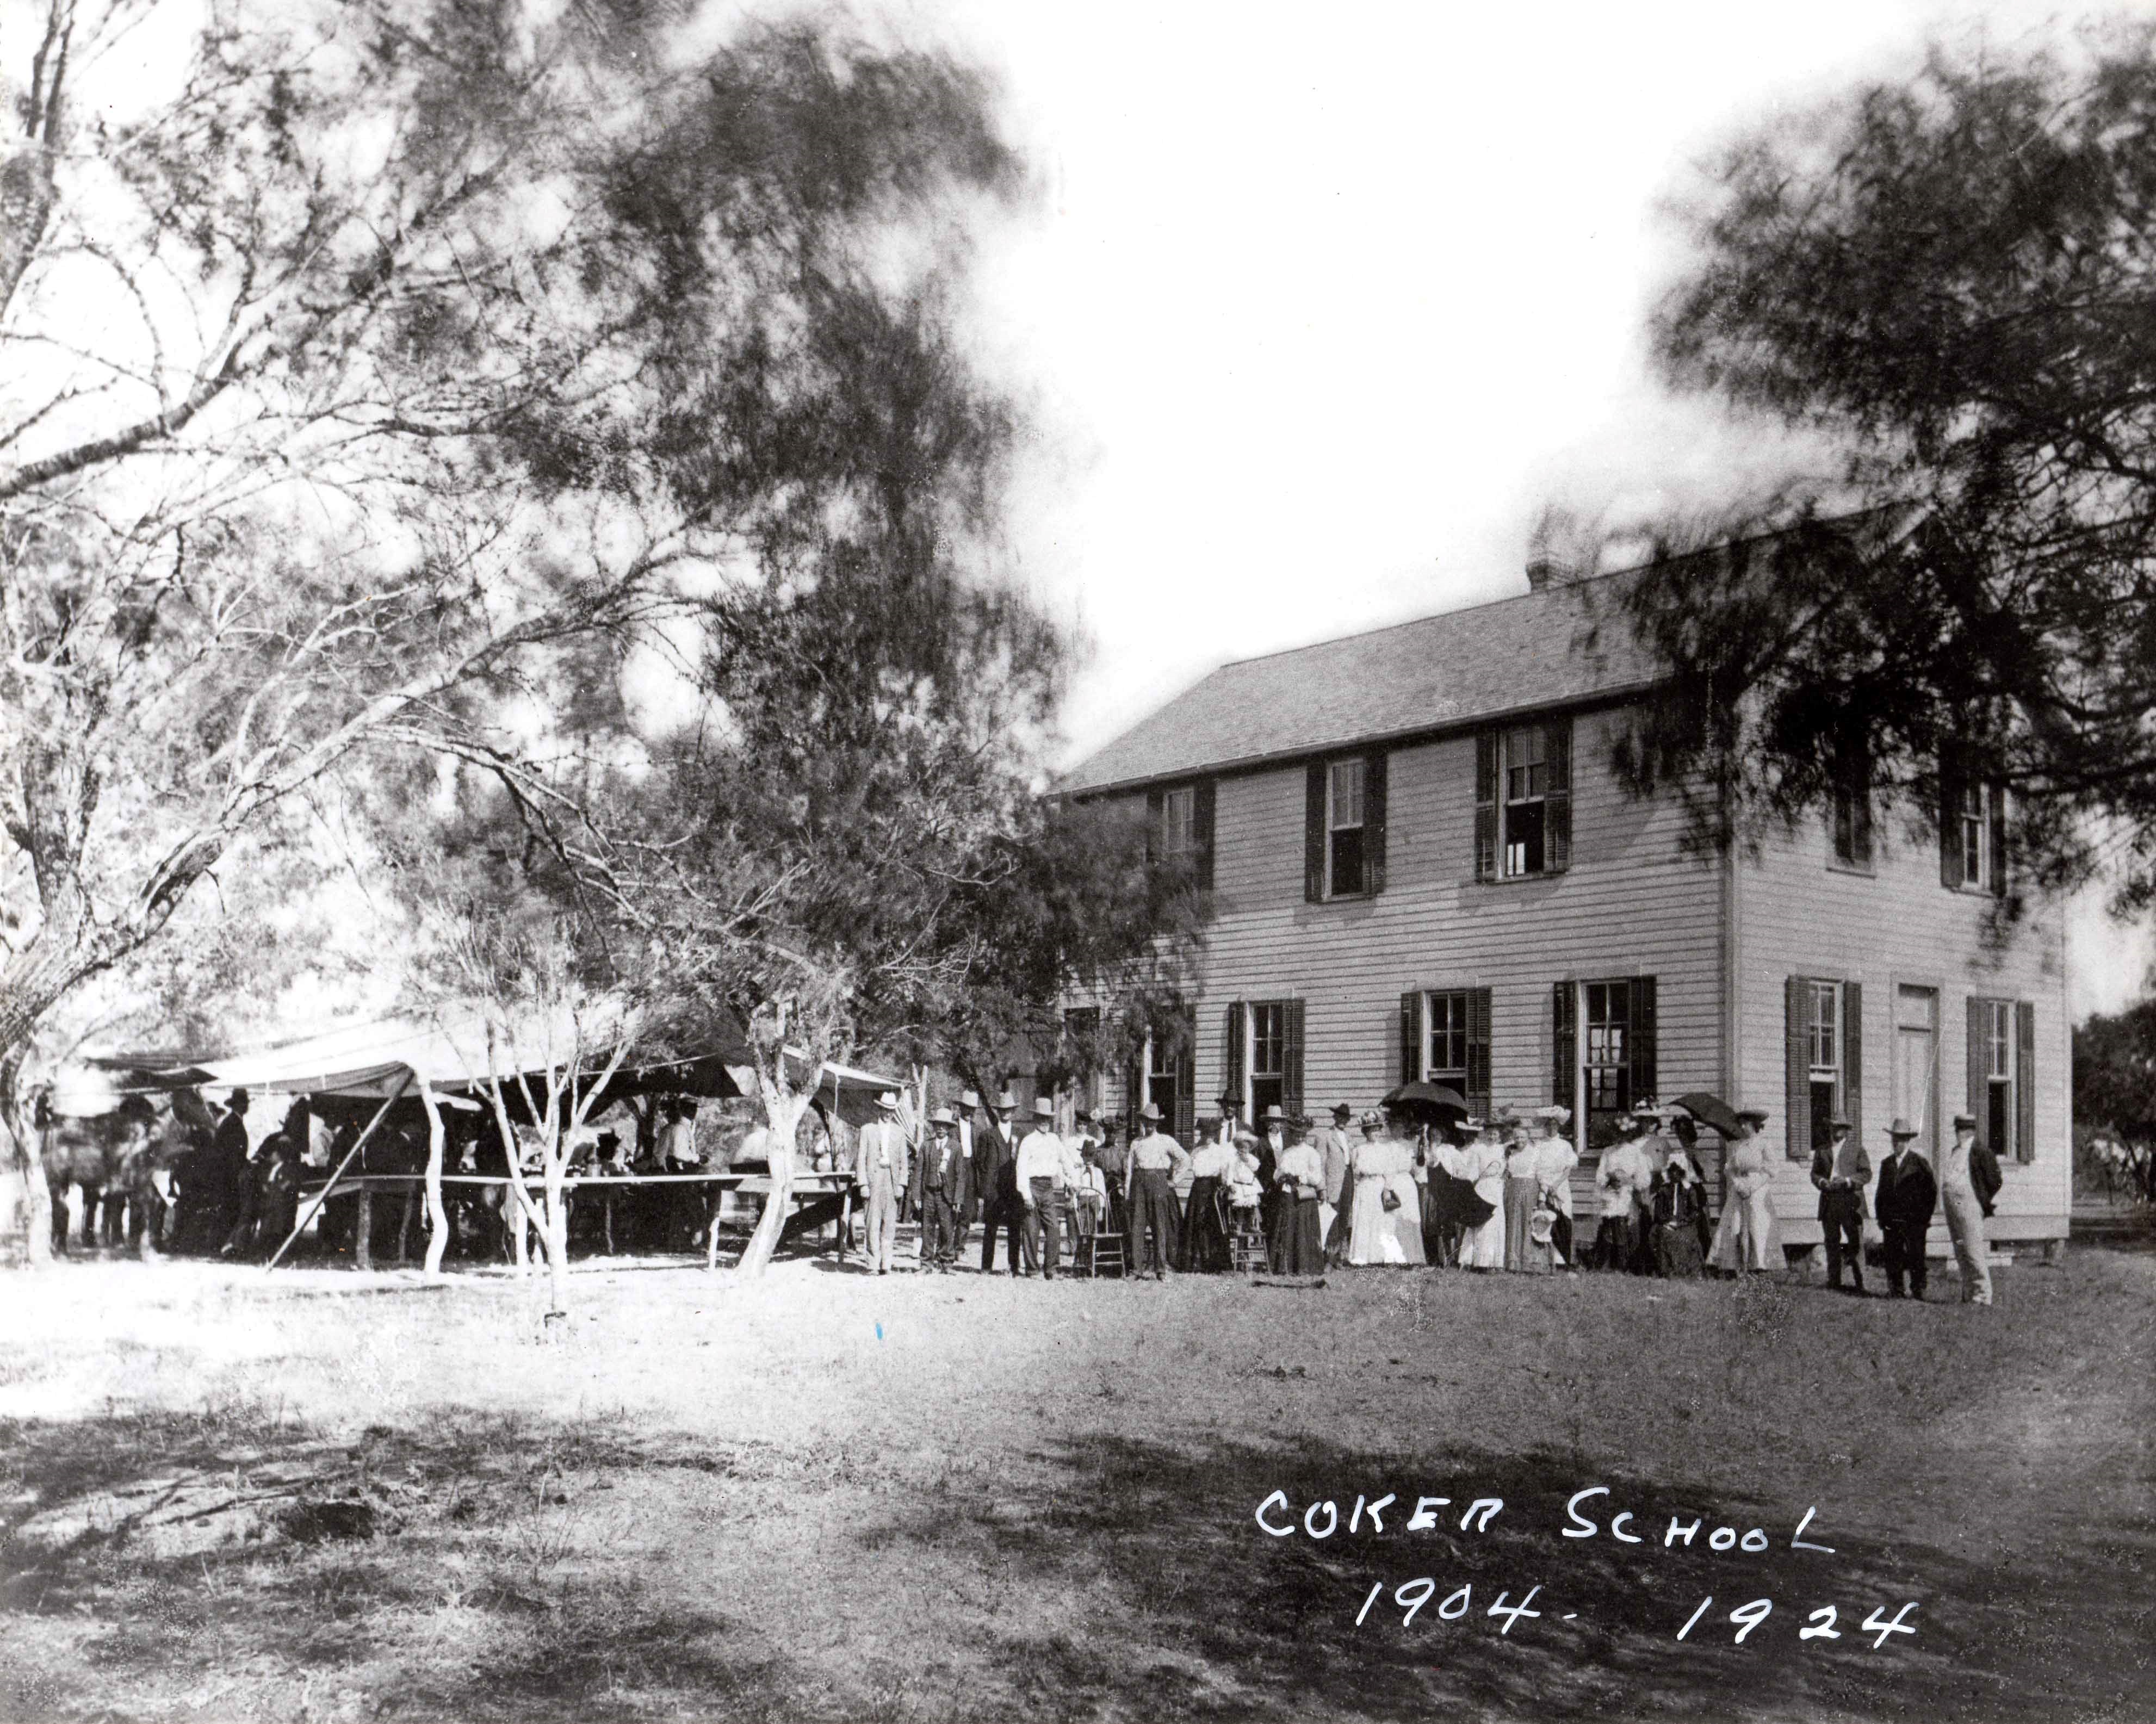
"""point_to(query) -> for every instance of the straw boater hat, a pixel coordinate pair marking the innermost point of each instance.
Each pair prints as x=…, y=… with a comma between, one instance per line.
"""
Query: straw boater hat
x=1151, y=1113
x=1965, y=1119
x=1901, y=1130
x=941, y=1116
x=1756, y=1114
x=1042, y=1108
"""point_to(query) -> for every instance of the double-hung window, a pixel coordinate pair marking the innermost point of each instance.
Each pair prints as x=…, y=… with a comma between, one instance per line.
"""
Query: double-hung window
x=1343, y=828
x=1824, y=1053
x=1523, y=801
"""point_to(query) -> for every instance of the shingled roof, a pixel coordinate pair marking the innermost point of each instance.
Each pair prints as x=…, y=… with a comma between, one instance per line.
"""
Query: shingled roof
x=1461, y=667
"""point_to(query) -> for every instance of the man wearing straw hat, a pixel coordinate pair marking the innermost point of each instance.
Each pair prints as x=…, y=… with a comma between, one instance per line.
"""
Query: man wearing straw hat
x=1907, y=1195
x=880, y=1165
x=996, y=1166
x=1840, y=1170
x=1044, y=1187
x=944, y=1174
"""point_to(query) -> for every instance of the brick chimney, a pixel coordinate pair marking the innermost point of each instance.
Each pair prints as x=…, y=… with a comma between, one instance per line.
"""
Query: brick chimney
x=1543, y=571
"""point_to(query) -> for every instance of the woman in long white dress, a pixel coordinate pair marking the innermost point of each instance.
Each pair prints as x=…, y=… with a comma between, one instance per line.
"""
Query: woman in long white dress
x=1484, y=1247
x=1554, y=1160
x=1383, y=1164
x=1746, y=1241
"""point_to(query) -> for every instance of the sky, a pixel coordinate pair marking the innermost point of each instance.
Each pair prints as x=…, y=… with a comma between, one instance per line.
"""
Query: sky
x=1319, y=307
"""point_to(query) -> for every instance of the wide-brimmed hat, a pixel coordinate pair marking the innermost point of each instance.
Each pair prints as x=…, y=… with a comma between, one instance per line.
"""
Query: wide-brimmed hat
x=1005, y=1101
x=1042, y=1108
x=1342, y=1110
x=943, y=1116
x=1759, y=1114
x=238, y=1098
x=1150, y=1112
x=970, y=1099
x=1839, y=1124
x=1901, y=1128
x=1504, y=1117
x=888, y=1101
x=1084, y=1115
x=1246, y=1136
x=1229, y=1098
x=1557, y=1111
x=1371, y=1120
x=1965, y=1119
x=1471, y=1123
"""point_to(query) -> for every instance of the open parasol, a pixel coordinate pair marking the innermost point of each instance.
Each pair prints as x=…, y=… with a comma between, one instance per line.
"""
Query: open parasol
x=1433, y=1103
x=1710, y=1110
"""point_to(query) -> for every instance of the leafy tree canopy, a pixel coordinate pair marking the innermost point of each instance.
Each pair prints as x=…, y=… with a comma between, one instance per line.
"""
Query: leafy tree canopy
x=1952, y=279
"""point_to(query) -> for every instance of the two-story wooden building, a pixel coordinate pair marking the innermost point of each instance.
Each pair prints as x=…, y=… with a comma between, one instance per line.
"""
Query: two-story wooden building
x=1422, y=865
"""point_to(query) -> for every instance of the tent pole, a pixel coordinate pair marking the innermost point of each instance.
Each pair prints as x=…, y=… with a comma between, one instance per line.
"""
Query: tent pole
x=358, y=1143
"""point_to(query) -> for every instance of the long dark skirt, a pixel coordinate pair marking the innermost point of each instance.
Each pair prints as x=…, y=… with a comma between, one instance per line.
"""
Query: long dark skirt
x=1295, y=1247
x=1205, y=1249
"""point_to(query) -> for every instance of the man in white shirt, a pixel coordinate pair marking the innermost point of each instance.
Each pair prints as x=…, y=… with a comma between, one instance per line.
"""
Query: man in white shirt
x=879, y=1161
x=1044, y=1186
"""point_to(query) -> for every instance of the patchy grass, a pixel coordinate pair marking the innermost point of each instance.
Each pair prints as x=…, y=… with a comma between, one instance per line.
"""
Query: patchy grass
x=918, y=1498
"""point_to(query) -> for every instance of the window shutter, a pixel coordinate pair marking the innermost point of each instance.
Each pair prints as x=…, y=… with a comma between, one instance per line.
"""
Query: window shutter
x=1852, y=1058
x=1133, y=1084
x=1797, y=1046
x=1291, y=1062
x=1557, y=804
x=1643, y=1038
x=1153, y=806
x=2024, y=1081
x=1313, y=834
x=1478, y=1052
x=1564, y=1045
x=1374, y=821
x=1201, y=820
x=1995, y=810
x=1184, y=1125
x=1979, y=1073
x=1486, y=805
x=1411, y=1035
x=1231, y=1063
x=1949, y=825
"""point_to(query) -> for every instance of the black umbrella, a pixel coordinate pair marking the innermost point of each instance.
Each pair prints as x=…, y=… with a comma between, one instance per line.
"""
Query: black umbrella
x=1710, y=1110
x=1435, y=1102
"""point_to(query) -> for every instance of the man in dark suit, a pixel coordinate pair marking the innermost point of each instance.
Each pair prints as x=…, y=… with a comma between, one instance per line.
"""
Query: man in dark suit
x=1907, y=1194
x=944, y=1177
x=1841, y=1170
x=995, y=1160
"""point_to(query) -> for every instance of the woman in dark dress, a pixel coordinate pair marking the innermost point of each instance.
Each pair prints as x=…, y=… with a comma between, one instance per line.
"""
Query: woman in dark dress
x=1296, y=1245
x=1205, y=1249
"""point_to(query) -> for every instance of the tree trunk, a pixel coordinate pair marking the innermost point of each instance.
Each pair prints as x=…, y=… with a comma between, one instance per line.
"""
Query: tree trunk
x=555, y=1235
x=782, y=1122
x=438, y=1216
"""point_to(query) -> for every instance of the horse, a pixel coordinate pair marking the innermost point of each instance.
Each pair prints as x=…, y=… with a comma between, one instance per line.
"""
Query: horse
x=122, y=1162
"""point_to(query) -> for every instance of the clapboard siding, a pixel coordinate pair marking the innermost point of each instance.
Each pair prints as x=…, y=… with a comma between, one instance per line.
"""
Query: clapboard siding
x=1795, y=916
x=1630, y=905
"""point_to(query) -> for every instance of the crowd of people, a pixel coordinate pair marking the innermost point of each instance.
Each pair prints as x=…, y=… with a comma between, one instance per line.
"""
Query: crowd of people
x=1300, y=1197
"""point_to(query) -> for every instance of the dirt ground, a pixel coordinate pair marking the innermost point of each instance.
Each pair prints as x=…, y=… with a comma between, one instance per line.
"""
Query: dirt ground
x=329, y=1496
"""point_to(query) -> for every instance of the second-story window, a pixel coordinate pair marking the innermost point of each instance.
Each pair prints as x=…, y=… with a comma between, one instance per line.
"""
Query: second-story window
x=1343, y=827
x=1971, y=828
x=1526, y=790
x=1523, y=801
x=1178, y=824
x=1852, y=813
